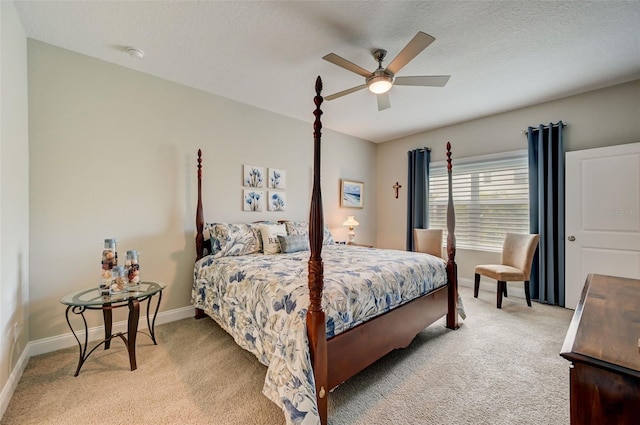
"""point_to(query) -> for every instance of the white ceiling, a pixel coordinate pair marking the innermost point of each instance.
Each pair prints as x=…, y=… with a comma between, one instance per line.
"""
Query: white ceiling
x=501, y=55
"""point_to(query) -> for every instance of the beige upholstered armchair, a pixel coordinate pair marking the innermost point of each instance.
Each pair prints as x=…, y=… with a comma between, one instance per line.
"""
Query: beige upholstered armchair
x=517, y=256
x=428, y=241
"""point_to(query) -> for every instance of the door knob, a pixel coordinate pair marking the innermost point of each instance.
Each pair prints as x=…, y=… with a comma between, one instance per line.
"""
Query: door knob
x=571, y=238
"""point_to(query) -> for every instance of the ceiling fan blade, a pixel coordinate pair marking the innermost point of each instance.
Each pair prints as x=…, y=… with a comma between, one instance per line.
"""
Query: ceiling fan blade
x=350, y=66
x=428, y=81
x=383, y=101
x=345, y=92
x=410, y=51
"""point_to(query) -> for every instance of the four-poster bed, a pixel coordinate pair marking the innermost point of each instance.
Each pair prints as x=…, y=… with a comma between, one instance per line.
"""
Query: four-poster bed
x=337, y=344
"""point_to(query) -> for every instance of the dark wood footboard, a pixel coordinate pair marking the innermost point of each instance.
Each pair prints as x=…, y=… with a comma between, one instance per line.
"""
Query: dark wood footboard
x=352, y=351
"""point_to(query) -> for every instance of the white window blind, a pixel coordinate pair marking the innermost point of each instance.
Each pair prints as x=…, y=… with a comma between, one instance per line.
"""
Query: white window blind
x=491, y=197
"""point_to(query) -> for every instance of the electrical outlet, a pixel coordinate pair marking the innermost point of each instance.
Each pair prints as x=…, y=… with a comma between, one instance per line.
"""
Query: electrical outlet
x=16, y=331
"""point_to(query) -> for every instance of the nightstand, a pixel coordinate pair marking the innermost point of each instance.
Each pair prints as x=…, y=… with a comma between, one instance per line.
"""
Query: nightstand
x=93, y=299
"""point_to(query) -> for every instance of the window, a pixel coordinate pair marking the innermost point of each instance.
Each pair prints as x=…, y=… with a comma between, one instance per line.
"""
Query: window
x=490, y=195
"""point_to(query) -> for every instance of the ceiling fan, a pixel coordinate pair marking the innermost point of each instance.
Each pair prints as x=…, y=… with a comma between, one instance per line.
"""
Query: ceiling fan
x=382, y=79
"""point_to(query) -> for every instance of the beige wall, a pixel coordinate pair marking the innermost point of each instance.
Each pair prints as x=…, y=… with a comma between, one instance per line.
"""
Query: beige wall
x=113, y=154
x=603, y=117
x=14, y=198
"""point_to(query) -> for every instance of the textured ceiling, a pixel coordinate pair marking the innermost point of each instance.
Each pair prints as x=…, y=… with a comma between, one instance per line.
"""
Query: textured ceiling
x=501, y=55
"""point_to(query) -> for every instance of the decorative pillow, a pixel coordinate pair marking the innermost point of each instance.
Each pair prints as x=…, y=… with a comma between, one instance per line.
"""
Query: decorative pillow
x=208, y=237
x=270, y=233
x=328, y=237
x=256, y=230
x=233, y=239
x=297, y=227
x=302, y=228
x=293, y=243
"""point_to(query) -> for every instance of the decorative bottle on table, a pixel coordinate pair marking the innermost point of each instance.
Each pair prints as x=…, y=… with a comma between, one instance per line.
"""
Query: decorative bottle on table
x=118, y=280
x=109, y=261
x=132, y=267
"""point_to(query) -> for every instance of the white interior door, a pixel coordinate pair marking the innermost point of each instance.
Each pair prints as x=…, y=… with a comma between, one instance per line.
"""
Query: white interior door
x=602, y=220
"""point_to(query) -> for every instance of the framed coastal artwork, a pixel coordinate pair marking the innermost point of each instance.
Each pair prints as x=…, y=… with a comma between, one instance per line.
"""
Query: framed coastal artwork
x=351, y=194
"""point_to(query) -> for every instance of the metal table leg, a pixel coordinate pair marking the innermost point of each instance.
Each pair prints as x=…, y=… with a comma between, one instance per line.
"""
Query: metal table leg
x=83, y=350
x=152, y=325
x=79, y=310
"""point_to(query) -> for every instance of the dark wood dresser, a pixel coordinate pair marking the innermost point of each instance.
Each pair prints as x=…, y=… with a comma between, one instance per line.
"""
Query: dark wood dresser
x=602, y=344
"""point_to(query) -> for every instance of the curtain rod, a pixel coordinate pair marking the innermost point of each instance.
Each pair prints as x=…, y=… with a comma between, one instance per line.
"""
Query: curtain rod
x=564, y=123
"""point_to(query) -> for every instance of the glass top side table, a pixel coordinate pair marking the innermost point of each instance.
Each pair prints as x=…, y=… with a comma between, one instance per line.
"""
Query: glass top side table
x=93, y=299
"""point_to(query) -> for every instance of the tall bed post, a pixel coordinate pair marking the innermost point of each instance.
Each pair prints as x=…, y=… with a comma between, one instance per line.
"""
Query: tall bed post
x=199, y=225
x=316, y=326
x=452, y=268
x=199, y=212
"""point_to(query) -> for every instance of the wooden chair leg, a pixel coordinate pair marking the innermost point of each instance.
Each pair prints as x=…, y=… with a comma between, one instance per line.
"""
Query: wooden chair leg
x=476, y=286
x=500, y=291
x=505, y=290
x=527, y=292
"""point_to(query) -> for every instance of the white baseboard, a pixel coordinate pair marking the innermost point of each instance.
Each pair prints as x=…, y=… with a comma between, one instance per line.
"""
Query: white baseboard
x=46, y=345
x=12, y=382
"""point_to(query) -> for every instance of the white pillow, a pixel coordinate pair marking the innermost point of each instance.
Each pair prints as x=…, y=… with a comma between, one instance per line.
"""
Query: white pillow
x=270, y=233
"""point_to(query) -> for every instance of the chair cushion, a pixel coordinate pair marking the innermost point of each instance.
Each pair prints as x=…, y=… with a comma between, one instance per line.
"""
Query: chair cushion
x=500, y=272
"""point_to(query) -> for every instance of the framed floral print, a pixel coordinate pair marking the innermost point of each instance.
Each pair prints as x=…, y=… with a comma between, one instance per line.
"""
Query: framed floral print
x=277, y=179
x=253, y=200
x=277, y=201
x=253, y=176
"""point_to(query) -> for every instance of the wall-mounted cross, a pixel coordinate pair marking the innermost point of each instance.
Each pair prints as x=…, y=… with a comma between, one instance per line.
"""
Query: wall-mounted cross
x=397, y=187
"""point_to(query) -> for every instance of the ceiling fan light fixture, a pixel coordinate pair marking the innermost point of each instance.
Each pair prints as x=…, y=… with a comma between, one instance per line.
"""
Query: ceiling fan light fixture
x=380, y=81
x=380, y=84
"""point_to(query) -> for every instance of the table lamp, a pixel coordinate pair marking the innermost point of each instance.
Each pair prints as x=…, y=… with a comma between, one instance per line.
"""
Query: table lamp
x=351, y=223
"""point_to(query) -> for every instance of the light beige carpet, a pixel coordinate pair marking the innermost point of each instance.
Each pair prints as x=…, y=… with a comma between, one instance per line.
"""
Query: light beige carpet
x=500, y=367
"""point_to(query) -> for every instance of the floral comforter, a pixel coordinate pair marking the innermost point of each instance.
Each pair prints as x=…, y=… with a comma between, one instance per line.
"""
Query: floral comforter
x=262, y=300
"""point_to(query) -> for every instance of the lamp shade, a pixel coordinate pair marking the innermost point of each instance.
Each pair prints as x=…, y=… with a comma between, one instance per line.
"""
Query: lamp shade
x=350, y=221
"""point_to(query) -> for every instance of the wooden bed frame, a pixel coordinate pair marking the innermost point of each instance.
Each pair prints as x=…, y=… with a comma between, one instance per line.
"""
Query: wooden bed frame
x=338, y=358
